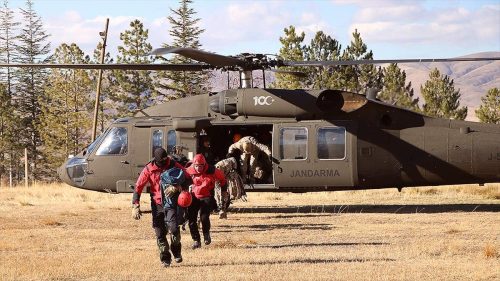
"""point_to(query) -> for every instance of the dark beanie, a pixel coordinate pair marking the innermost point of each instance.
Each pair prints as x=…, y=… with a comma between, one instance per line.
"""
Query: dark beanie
x=161, y=156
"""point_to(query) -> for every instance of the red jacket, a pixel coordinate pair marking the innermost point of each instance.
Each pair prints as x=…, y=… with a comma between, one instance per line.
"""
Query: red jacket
x=151, y=174
x=204, y=182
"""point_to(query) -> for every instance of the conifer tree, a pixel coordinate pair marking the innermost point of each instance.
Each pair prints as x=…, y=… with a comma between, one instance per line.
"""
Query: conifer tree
x=65, y=110
x=32, y=47
x=395, y=90
x=322, y=48
x=489, y=111
x=8, y=134
x=440, y=97
x=185, y=33
x=293, y=50
x=358, y=78
x=133, y=89
x=8, y=119
x=8, y=28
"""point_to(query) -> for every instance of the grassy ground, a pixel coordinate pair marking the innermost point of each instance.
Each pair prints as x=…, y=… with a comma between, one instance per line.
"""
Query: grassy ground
x=55, y=232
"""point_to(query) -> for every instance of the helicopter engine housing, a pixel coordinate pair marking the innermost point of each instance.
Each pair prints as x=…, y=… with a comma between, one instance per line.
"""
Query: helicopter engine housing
x=302, y=104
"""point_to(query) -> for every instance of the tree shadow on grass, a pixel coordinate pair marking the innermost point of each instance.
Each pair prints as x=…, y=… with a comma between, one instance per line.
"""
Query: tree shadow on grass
x=292, y=261
x=314, y=245
x=395, y=209
x=266, y=227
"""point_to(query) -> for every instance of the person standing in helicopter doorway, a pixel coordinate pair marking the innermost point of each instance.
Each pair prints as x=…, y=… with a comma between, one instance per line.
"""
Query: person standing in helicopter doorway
x=204, y=177
x=151, y=174
x=206, y=150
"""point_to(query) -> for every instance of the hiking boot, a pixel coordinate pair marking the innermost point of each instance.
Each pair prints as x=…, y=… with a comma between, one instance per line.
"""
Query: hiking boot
x=196, y=245
x=178, y=259
x=165, y=264
x=206, y=237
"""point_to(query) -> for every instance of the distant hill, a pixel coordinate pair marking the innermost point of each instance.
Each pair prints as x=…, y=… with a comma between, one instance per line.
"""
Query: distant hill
x=474, y=79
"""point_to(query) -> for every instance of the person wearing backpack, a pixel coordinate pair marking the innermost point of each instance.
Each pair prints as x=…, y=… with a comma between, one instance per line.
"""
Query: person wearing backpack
x=204, y=177
x=151, y=174
x=174, y=188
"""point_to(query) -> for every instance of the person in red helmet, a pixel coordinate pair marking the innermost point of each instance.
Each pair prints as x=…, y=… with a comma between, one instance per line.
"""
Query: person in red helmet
x=204, y=177
x=151, y=174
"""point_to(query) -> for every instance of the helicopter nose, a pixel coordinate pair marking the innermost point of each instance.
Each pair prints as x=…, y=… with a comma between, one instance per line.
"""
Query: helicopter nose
x=63, y=176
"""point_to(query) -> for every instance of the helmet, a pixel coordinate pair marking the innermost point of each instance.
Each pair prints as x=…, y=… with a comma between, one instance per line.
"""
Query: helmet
x=236, y=137
x=184, y=199
x=199, y=159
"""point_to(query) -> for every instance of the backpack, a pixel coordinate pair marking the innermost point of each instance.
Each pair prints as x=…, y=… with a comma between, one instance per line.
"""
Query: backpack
x=168, y=179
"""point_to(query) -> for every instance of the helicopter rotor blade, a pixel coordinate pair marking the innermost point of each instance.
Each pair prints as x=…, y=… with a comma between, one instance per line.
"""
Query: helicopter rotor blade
x=290, y=72
x=201, y=56
x=359, y=62
x=158, y=67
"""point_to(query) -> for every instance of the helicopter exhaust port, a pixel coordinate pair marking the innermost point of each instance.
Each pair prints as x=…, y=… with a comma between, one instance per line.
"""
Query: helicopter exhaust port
x=224, y=102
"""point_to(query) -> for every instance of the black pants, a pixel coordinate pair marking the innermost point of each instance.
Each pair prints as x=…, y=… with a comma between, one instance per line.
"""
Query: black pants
x=163, y=217
x=204, y=206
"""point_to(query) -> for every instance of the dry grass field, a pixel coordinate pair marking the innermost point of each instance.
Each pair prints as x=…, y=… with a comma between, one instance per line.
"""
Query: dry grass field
x=55, y=232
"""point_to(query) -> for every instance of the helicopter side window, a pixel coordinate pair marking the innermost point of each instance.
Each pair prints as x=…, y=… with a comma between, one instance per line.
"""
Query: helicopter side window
x=115, y=142
x=293, y=143
x=331, y=143
x=157, y=140
x=171, y=141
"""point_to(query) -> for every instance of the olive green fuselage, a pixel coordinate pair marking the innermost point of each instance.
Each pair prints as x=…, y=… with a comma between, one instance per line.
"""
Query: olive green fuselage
x=320, y=140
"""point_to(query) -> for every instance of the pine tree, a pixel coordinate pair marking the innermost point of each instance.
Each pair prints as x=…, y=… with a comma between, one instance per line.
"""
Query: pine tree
x=8, y=28
x=321, y=48
x=8, y=134
x=32, y=48
x=133, y=89
x=358, y=78
x=489, y=111
x=65, y=110
x=8, y=118
x=292, y=50
x=395, y=90
x=185, y=33
x=440, y=97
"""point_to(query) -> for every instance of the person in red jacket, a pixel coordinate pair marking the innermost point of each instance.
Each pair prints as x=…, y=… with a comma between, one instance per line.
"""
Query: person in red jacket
x=151, y=174
x=204, y=177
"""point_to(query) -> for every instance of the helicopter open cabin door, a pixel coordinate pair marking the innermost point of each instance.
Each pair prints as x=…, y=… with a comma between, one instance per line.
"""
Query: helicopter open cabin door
x=314, y=153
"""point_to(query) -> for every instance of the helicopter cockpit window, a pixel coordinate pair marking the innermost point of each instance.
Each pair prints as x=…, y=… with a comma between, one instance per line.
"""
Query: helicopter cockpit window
x=157, y=140
x=115, y=142
x=171, y=141
x=92, y=146
x=293, y=143
x=331, y=143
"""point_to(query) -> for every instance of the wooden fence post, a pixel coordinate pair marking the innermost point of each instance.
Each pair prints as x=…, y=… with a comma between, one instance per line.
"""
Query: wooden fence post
x=26, y=167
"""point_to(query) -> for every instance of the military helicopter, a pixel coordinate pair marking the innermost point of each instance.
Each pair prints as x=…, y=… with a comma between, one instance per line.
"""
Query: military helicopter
x=320, y=139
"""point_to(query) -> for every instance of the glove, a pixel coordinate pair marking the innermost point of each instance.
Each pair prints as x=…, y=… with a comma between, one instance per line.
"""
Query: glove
x=258, y=173
x=171, y=190
x=136, y=211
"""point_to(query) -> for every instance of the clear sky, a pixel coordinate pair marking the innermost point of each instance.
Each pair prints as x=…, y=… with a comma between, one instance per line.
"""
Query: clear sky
x=391, y=28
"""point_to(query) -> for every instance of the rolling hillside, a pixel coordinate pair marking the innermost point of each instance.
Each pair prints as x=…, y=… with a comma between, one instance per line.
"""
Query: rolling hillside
x=474, y=79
